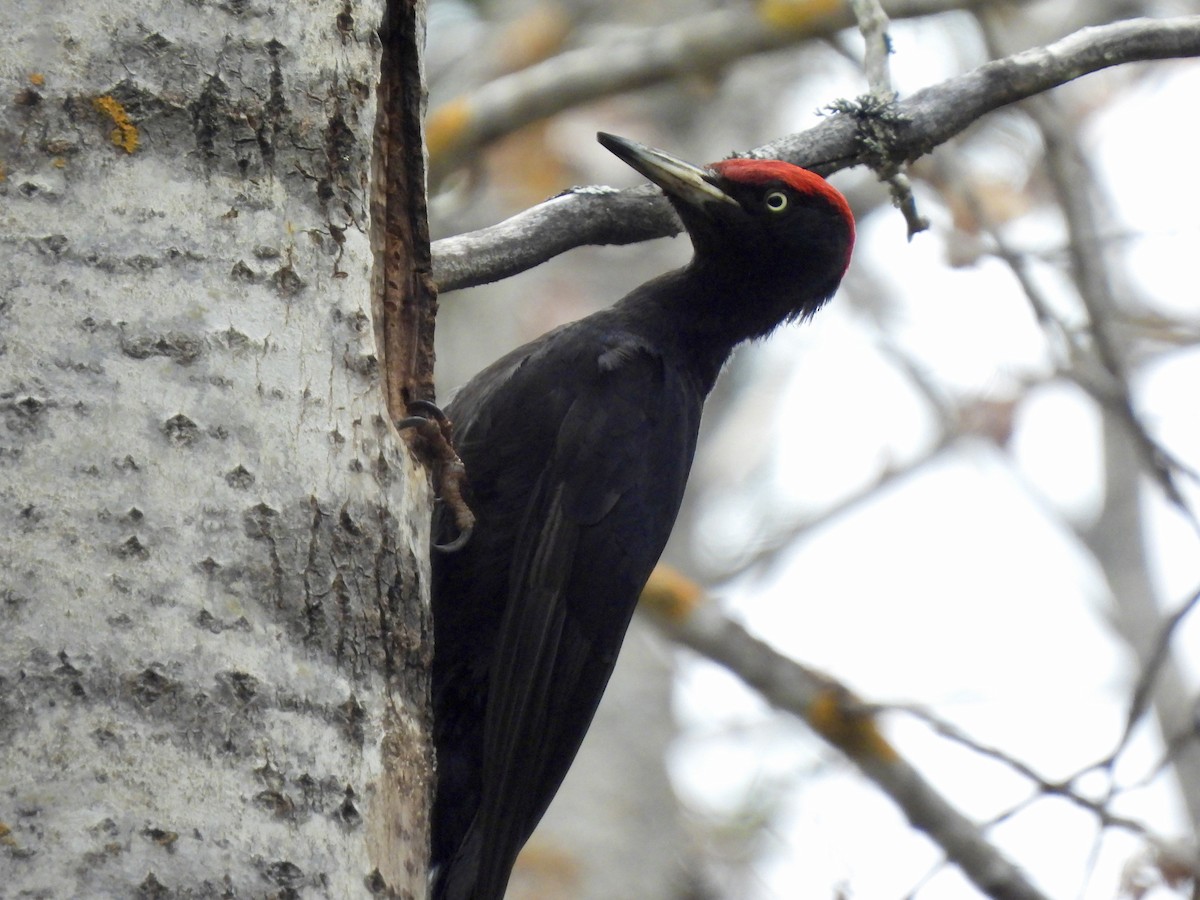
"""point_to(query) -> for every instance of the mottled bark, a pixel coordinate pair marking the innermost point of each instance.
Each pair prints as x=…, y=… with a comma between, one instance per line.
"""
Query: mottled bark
x=213, y=678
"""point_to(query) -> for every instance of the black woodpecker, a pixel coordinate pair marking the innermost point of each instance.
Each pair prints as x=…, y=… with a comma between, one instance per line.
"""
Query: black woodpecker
x=577, y=448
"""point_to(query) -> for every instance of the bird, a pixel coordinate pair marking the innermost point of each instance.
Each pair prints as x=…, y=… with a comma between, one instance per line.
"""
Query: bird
x=577, y=448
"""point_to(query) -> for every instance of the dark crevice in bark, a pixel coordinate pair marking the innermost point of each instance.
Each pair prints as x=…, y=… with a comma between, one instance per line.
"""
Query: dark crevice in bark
x=406, y=297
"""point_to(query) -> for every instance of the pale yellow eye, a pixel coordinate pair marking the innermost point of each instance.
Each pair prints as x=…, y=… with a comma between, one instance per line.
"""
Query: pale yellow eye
x=776, y=201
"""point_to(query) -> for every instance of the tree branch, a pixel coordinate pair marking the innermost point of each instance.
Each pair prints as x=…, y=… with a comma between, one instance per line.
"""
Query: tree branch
x=873, y=23
x=928, y=118
x=1100, y=368
x=677, y=605
x=699, y=44
x=1066, y=788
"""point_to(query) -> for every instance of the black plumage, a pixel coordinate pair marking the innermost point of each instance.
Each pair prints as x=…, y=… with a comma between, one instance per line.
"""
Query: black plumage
x=577, y=449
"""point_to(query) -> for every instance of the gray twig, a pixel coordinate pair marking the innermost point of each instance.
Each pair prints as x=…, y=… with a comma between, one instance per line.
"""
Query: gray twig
x=873, y=24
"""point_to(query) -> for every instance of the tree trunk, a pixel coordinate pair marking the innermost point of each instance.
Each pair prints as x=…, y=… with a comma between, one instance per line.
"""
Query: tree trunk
x=214, y=672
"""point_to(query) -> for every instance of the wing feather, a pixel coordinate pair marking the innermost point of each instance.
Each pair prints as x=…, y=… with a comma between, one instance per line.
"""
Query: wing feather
x=609, y=483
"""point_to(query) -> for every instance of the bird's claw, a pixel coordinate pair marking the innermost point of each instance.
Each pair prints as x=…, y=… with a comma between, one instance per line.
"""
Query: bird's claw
x=428, y=410
x=449, y=474
x=457, y=544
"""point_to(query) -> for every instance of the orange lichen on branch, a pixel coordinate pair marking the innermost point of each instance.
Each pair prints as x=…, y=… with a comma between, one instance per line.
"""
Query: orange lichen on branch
x=796, y=14
x=37, y=79
x=125, y=133
x=535, y=36
x=446, y=126
x=837, y=715
x=671, y=595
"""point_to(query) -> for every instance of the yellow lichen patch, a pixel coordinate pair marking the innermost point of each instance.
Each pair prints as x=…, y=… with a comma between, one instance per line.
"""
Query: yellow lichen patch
x=833, y=716
x=796, y=14
x=37, y=79
x=446, y=125
x=670, y=594
x=125, y=134
x=536, y=35
x=3, y=172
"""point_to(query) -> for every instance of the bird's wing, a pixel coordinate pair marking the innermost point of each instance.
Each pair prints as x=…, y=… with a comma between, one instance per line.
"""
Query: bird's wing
x=593, y=527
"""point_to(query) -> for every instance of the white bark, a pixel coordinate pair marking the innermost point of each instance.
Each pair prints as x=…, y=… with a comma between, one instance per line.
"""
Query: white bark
x=213, y=671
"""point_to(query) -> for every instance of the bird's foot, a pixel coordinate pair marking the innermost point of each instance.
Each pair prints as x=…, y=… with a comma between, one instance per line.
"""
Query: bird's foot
x=449, y=473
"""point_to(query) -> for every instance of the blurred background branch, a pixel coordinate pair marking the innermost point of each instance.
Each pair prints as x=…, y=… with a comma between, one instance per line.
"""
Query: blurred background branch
x=632, y=58
x=678, y=606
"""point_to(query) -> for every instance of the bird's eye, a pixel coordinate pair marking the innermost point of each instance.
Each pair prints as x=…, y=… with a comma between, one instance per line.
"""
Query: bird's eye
x=777, y=201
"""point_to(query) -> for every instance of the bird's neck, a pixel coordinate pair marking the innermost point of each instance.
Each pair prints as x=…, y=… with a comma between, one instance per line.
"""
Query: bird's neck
x=703, y=312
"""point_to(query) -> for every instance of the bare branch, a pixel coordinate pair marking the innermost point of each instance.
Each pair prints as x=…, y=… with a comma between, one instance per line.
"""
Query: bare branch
x=768, y=550
x=1061, y=339
x=1045, y=787
x=700, y=44
x=677, y=605
x=1099, y=367
x=1099, y=355
x=873, y=23
x=1107, y=382
x=930, y=117
x=1152, y=666
x=942, y=111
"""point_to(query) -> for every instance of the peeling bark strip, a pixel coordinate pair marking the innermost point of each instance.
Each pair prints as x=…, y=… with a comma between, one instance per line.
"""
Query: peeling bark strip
x=704, y=43
x=405, y=293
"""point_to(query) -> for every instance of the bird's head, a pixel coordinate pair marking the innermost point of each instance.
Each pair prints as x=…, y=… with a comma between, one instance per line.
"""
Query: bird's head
x=775, y=226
